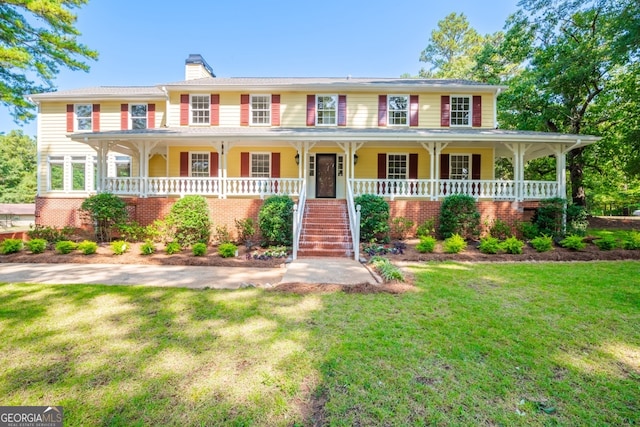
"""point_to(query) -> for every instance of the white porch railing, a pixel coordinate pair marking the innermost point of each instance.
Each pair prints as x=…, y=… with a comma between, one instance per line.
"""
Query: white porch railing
x=298, y=216
x=354, y=223
x=221, y=187
x=480, y=189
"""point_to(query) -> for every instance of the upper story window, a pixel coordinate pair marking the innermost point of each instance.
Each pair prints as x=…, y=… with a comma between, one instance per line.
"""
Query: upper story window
x=260, y=109
x=459, y=166
x=200, y=109
x=460, y=110
x=398, y=110
x=83, y=114
x=138, y=116
x=326, y=109
x=261, y=165
x=199, y=163
x=397, y=166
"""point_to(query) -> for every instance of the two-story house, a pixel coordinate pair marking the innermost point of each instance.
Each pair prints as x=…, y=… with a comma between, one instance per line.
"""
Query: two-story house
x=238, y=140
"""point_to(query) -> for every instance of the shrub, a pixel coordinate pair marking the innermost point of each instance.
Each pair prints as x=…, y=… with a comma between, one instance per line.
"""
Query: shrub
x=158, y=231
x=222, y=234
x=189, y=221
x=172, y=248
x=573, y=242
x=106, y=211
x=246, y=229
x=118, y=247
x=606, y=243
x=227, y=250
x=374, y=223
x=37, y=246
x=459, y=215
x=454, y=244
x=528, y=230
x=275, y=220
x=147, y=248
x=512, y=245
x=542, y=243
x=276, y=252
x=427, y=244
x=11, y=246
x=548, y=216
x=132, y=231
x=426, y=228
x=500, y=229
x=632, y=241
x=400, y=227
x=199, y=249
x=577, y=221
x=386, y=269
x=489, y=245
x=65, y=246
x=87, y=247
x=50, y=234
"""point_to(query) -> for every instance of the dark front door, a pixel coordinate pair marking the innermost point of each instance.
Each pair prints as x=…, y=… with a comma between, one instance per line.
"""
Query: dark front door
x=326, y=176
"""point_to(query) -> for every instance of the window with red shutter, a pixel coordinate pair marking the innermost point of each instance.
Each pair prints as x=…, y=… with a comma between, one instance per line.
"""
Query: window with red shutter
x=275, y=110
x=477, y=111
x=124, y=116
x=382, y=110
x=184, y=109
x=311, y=110
x=215, y=109
x=445, y=110
x=244, y=110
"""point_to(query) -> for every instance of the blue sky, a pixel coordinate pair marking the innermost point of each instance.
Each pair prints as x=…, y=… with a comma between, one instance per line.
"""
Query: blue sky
x=146, y=42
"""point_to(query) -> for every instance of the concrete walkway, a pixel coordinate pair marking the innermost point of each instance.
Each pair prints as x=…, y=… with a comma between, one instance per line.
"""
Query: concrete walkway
x=307, y=270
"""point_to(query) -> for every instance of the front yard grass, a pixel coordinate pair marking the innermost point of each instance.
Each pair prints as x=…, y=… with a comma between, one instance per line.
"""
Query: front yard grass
x=495, y=344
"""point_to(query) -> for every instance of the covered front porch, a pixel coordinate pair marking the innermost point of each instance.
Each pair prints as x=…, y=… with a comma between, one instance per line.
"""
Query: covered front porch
x=421, y=170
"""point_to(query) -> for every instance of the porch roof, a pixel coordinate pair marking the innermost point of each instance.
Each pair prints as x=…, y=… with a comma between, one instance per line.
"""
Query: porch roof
x=539, y=142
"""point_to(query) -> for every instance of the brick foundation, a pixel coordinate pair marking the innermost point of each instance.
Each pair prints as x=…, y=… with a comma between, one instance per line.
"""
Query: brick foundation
x=66, y=212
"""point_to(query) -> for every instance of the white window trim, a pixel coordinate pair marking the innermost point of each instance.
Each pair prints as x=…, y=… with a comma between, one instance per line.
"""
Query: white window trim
x=470, y=121
x=191, y=153
x=337, y=108
x=406, y=155
x=408, y=110
x=269, y=102
x=251, y=154
x=75, y=118
x=131, y=114
x=469, y=159
x=58, y=160
x=191, y=96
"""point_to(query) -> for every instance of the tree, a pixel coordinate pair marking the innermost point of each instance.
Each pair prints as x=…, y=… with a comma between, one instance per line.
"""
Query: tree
x=571, y=56
x=30, y=56
x=452, y=48
x=17, y=168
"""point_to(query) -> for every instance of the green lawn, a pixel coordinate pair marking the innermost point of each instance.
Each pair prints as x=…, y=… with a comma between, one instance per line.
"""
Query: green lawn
x=492, y=344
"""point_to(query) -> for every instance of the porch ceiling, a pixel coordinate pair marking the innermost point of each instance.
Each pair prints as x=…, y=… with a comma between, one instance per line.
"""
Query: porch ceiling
x=539, y=144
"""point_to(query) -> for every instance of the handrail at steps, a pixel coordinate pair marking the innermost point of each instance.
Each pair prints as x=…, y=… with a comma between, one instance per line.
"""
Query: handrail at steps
x=354, y=222
x=298, y=215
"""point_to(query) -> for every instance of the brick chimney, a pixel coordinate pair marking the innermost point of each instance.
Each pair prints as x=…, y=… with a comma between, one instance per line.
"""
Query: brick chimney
x=197, y=68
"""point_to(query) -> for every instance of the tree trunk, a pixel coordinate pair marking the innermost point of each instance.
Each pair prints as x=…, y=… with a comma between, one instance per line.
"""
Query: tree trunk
x=576, y=174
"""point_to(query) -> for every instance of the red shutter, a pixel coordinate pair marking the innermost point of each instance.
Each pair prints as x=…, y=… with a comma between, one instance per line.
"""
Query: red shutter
x=382, y=110
x=413, y=166
x=184, y=109
x=275, y=165
x=342, y=110
x=311, y=110
x=275, y=110
x=69, y=117
x=95, y=117
x=151, y=116
x=214, y=108
x=214, y=164
x=475, y=166
x=477, y=111
x=244, y=164
x=444, y=166
x=124, y=116
x=184, y=163
x=382, y=171
x=413, y=110
x=244, y=110
x=445, y=110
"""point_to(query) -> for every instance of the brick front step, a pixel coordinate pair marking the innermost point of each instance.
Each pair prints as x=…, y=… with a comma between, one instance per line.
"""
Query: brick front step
x=324, y=237
x=325, y=229
x=325, y=253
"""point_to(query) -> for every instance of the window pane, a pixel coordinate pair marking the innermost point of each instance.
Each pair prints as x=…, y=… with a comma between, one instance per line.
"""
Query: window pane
x=460, y=108
x=200, y=109
x=260, y=165
x=459, y=168
x=260, y=109
x=138, y=116
x=397, y=166
x=123, y=166
x=200, y=164
x=78, y=173
x=56, y=174
x=326, y=109
x=83, y=116
x=398, y=110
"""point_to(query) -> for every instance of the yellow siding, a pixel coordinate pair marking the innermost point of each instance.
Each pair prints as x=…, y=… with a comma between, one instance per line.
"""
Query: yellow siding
x=157, y=166
x=362, y=110
x=293, y=109
x=429, y=111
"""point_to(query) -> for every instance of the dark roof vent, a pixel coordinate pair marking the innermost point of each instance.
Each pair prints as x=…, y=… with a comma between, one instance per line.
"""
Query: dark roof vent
x=196, y=58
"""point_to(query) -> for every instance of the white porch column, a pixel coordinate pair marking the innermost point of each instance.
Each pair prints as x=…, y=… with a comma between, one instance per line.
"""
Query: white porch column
x=101, y=164
x=430, y=147
x=561, y=171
